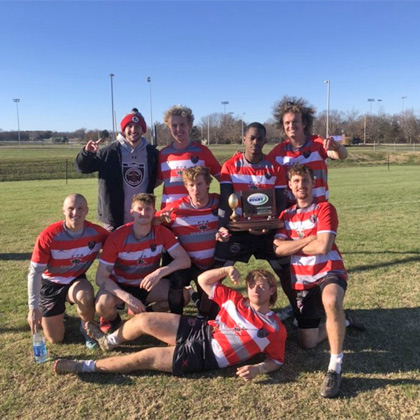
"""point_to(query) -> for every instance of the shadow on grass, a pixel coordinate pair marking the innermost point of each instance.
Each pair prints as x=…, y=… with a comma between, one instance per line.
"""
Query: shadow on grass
x=15, y=256
x=383, y=264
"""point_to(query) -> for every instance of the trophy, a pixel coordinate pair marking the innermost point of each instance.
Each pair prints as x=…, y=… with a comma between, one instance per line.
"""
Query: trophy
x=258, y=211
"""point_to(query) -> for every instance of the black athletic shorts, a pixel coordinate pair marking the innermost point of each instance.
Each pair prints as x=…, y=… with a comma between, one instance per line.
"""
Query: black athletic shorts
x=53, y=297
x=193, y=352
x=242, y=245
x=140, y=294
x=309, y=302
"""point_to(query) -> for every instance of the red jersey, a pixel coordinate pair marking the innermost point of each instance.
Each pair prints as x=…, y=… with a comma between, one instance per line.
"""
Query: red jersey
x=66, y=257
x=240, y=332
x=195, y=228
x=245, y=176
x=312, y=154
x=173, y=161
x=133, y=259
x=309, y=270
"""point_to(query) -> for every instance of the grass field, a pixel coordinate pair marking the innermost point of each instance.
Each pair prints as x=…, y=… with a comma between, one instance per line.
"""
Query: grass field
x=378, y=237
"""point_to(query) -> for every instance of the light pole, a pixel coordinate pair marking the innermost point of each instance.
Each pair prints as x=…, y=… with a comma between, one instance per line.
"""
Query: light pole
x=16, y=101
x=152, y=131
x=371, y=100
x=378, y=100
x=242, y=125
x=224, y=103
x=403, y=98
x=112, y=106
x=328, y=83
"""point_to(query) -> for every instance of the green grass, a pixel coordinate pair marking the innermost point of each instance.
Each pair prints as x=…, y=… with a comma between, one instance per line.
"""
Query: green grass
x=378, y=238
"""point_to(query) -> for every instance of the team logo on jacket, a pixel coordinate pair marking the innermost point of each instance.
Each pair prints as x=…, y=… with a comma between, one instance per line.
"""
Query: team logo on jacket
x=153, y=247
x=75, y=261
x=313, y=219
x=133, y=173
x=194, y=159
x=268, y=175
x=306, y=154
x=91, y=245
x=140, y=261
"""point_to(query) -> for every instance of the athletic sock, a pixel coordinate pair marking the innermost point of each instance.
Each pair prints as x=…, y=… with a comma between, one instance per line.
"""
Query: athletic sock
x=335, y=362
x=88, y=366
x=112, y=339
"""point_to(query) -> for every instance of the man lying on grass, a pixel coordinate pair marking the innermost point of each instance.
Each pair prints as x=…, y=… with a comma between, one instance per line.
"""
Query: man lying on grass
x=243, y=328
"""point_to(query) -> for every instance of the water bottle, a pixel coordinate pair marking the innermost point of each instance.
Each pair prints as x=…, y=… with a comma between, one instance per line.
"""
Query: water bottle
x=40, y=349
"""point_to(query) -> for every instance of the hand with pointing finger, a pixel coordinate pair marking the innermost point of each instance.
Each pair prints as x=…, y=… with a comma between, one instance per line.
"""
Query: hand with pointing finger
x=92, y=146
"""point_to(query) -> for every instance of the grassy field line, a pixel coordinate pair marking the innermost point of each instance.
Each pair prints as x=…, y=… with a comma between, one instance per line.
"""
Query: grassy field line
x=382, y=204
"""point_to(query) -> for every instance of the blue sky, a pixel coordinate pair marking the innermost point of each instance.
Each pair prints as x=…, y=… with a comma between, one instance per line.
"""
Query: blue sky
x=56, y=56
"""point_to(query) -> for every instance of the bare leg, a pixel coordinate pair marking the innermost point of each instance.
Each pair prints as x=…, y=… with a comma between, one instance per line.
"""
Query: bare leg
x=81, y=294
x=162, y=326
x=106, y=305
x=155, y=358
x=53, y=328
x=332, y=299
x=311, y=337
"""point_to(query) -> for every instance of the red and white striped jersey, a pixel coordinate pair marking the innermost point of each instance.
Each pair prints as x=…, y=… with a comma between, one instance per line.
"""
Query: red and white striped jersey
x=245, y=176
x=133, y=259
x=312, y=154
x=195, y=228
x=240, y=332
x=308, y=270
x=173, y=161
x=64, y=257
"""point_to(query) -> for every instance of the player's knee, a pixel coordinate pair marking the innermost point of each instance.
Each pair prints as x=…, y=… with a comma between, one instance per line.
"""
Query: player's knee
x=332, y=304
x=85, y=298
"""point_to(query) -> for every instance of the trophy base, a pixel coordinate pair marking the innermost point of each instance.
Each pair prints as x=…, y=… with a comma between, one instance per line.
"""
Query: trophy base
x=254, y=224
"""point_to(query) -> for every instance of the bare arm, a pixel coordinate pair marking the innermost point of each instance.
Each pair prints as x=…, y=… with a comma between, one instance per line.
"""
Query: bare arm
x=249, y=372
x=283, y=247
x=321, y=245
x=180, y=261
x=104, y=281
x=210, y=277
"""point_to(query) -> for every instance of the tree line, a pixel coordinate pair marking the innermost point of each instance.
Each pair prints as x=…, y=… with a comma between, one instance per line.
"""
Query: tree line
x=221, y=128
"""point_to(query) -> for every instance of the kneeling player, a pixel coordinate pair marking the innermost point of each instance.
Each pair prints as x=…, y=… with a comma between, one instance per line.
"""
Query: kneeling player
x=62, y=254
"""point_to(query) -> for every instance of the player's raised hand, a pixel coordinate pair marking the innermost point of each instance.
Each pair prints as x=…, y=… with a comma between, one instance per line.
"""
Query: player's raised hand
x=92, y=146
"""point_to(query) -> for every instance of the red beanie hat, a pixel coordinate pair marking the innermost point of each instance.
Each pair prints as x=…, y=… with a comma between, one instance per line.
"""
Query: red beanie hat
x=135, y=118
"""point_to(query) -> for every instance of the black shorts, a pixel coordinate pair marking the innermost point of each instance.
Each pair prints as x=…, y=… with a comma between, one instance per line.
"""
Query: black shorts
x=140, y=294
x=193, y=352
x=53, y=297
x=310, y=309
x=242, y=245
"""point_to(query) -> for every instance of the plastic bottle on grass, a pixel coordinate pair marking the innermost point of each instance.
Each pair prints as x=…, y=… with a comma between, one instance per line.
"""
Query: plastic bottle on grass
x=40, y=348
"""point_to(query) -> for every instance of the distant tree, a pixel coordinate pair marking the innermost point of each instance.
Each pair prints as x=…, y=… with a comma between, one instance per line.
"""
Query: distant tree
x=195, y=134
x=104, y=135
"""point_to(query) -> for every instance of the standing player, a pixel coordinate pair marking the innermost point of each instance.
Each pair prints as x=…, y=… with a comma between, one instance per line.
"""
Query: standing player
x=181, y=154
x=126, y=167
x=129, y=272
x=318, y=273
x=295, y=117
x=62, y=254
x=246, y=171
x=242, y=329
x=193, y=219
